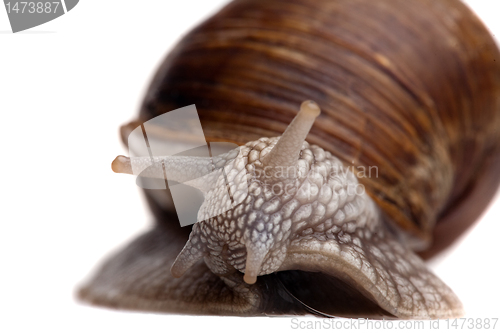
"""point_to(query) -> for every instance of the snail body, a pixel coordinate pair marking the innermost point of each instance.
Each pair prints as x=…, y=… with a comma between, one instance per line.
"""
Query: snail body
x=410, y=87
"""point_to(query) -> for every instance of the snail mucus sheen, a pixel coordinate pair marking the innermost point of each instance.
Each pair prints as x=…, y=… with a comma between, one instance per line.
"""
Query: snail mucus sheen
x=410, y=87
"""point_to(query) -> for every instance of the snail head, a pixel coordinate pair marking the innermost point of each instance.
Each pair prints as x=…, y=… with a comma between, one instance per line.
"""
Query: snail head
x=258, y=198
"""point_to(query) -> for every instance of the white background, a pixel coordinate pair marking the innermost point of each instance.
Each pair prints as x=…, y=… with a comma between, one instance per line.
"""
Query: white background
x=65, y=88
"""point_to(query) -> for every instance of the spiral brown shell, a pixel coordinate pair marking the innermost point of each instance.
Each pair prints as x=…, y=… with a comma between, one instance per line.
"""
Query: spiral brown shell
x=409, y=87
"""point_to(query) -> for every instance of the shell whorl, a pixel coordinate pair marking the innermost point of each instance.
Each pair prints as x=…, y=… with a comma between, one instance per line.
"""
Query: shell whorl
x=416, y=97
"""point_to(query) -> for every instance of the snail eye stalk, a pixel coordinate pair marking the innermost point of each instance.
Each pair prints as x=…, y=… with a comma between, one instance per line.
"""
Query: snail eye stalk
x=286, y=152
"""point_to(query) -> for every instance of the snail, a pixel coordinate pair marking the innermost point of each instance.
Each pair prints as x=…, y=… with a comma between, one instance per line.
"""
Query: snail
x=409, y=87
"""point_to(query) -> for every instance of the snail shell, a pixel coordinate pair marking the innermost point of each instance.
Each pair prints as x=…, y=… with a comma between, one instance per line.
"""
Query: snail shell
x=411, y=87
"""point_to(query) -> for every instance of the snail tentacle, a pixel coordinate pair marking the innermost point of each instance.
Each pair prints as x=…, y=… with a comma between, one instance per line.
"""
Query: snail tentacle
x=286, y=151
x=189, y=255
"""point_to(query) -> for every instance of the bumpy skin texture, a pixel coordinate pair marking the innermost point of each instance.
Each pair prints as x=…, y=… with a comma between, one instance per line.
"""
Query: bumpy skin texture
x=322, y=216
x=319, y=195
x=322, y=223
